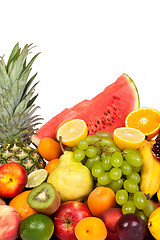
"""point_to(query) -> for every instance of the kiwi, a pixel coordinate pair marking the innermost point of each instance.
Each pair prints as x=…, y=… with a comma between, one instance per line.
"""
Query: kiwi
x=44, y=199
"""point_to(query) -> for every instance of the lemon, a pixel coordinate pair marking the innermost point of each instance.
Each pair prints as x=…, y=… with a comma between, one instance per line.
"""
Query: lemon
x=36, y=177
x=36, y=226
x=72, y=131
x=126, y=137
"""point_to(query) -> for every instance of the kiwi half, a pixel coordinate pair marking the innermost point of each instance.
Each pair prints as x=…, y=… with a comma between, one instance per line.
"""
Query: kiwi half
x=44, y=199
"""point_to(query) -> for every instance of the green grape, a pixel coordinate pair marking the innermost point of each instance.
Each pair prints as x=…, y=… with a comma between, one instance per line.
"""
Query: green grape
x=91, y=151
x=149, y=208
x=74, y=148
x=106, y=161
x=78, y=155
x=140, y=200
x=104, y=179
x=98, y=151
x=92, y=139
x=82, y=144
x=90, y=161
x=97, y=169
x=115, y=185
x=136, y=169
x=141, y=215
x=126, y=168
x=107, y=142
x=133, y=157
x=130, y=186
x=128, y=207
x=103, y=134
x=121, y=196
x=116, y=159
x=113, y=149
x=134, y=176
x=115, y=173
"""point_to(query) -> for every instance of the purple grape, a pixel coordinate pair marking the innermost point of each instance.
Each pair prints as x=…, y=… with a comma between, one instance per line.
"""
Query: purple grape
x=131, y=227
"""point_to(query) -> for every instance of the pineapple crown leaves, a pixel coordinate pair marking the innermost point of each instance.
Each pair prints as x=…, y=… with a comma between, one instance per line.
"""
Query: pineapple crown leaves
x=17, y=96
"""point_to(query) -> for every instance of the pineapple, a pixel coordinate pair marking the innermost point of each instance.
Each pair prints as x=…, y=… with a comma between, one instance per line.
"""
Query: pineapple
x=17, y=120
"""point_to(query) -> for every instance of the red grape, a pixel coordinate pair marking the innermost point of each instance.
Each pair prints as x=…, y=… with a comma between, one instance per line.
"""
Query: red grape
x=131, y=227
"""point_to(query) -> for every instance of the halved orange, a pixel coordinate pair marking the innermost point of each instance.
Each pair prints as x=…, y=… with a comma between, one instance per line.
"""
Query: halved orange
x=126, y=137
x=146, y=119
x=72, y=131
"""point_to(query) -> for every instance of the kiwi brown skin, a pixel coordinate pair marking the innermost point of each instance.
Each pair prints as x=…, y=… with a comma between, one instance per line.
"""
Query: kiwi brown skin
x=50, y=209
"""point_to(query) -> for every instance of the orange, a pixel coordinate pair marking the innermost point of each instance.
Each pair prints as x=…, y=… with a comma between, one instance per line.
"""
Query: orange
x=52, y=165
x=91, y=228
x=49, y=148
x=72, y=131
x=126, y=137
x=101, y=199
x=146, y=119
x=19, y=202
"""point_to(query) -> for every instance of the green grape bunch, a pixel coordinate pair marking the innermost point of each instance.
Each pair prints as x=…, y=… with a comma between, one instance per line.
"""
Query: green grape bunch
x=116, y=169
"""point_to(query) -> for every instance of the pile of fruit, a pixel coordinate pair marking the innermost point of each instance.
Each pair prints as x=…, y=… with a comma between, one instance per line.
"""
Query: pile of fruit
x=90, y=173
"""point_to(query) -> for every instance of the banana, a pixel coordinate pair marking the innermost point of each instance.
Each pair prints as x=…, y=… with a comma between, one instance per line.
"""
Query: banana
x=150, y=170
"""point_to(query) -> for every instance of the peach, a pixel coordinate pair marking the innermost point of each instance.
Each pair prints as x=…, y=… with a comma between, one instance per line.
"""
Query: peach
x=9, y=223
x=2, y=201
x=13, y=178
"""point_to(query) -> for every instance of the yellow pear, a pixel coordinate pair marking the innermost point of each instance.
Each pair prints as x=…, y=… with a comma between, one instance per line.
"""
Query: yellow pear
x=71, y=179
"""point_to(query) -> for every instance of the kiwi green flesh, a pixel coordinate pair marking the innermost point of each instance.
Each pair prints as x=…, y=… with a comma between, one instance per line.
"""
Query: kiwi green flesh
x=44, y=198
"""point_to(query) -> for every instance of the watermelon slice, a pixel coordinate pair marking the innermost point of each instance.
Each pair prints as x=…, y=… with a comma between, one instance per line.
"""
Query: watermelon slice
x=106, y=111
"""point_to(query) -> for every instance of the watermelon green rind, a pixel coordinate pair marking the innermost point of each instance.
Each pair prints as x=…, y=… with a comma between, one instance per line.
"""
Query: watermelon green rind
x=106, y=111
x=136, y=91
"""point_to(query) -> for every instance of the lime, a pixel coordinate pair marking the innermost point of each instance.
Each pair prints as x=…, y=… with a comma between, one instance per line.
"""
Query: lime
x=36, y=227
x=36, y=177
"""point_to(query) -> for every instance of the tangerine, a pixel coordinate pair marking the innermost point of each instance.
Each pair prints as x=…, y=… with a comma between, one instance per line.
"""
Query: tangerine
x=101, y=199
x=19, y=202
x=49, y=148
x=51, y=165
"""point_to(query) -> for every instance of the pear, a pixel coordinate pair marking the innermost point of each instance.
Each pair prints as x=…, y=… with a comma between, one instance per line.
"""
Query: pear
x=71, y=179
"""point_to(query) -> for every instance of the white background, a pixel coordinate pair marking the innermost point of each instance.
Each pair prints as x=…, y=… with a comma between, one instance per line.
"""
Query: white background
x=85, y=46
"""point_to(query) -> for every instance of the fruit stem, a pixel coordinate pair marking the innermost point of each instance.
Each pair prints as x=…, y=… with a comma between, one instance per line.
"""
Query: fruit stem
x=61, y=145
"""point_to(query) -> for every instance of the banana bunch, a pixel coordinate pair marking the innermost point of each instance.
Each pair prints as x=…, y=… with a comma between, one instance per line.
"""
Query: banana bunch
x=150, y=170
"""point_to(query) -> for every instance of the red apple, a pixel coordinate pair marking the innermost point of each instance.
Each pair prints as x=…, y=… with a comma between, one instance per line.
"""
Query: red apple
x=13, y=178
x=9, y=223
x=66, y=218
x=110, y=218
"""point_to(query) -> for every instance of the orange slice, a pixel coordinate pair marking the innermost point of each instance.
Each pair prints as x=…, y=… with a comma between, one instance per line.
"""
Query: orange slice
x=126, y=137
x=146, y=119
x=72, y=131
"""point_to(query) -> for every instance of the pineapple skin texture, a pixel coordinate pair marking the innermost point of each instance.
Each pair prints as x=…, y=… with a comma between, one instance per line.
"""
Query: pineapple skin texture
x=25, y=155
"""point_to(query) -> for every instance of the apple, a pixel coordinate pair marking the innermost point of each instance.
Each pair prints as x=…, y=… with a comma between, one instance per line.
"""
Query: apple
x=9, y=223
x=110, y=218
x=13, y=179
x=66, y=218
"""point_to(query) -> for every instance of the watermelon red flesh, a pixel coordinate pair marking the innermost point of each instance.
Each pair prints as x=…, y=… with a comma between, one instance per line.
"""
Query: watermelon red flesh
x=106, y=111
